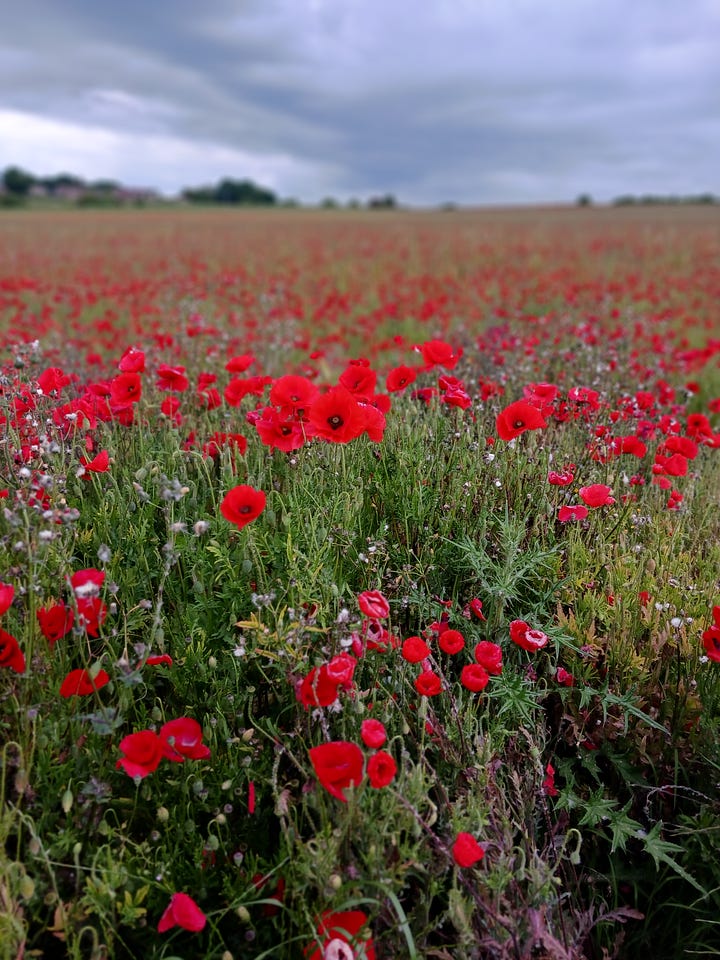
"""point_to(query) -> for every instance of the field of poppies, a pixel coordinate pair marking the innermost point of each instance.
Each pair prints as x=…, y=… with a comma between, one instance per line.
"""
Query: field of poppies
x=360, y=585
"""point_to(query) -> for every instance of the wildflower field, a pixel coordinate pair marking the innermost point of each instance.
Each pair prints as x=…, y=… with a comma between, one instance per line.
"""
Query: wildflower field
x=359, y=584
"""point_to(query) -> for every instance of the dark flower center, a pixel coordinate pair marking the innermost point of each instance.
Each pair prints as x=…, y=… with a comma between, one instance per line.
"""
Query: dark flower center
x=335, y=421
x=245, y=508
x=517, y=424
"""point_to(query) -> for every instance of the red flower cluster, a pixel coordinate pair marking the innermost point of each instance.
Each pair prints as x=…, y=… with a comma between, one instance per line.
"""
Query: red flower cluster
x=178, y=740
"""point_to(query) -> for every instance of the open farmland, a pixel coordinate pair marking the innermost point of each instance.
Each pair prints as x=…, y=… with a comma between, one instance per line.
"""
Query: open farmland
x=359, y=584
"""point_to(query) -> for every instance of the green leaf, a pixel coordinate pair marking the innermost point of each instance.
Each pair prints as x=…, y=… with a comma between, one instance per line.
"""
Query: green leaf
x=660, y=851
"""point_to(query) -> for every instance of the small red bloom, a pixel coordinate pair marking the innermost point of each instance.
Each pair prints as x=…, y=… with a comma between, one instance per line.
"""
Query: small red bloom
x=143, y=753
x=415, y=650
x=548, y=784
x=318, y=688
x=182, y=911
x=80, y=683
x=711, y=642
x=576, y=512
x=475, y=606
x=428, y=684
x=7, y=592
x=373, y=733
x=182, y=740
x=374, y=605
x=11, y=656
x=160, y=659
x=172, y=378
x=525, y=637
x=92, y=613
x=562, y=478
x=437, y=353
x=55, y=621
x=87, y=583
x=451, y=641
x=466, y=850
x=564, y=678
x=517, y=418
x=132, y=361
x=336, y=416
x=399, y=378
x=335, y=929
x=489, y=656
x=474, y=677
x=125, y=389
x=338, y=765
x=597, y=495
x=381, y=769
x=242, y=504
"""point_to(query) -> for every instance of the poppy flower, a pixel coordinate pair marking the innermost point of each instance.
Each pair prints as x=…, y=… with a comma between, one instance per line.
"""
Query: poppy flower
x=574, y=512
x=125, y=389
x=562, y=478
x=142, y=751
x=399, y=378
x=87, y=583
x=414, y=650
x=99, y=463
x=336, y=416
x=517, y=418
x=474, y=677
x=278, y=431
x=381, y=769
x=475, y=606
x=341, y=668
x=7, y=592
x=337, y=765
x=293, y=393
x=242, y=504
x=359, y=380
x=525, y=637
x=92, y=613
x=318, y=688
x=182, y=911
x=132, y=361
x=55, y=621
x=373, y=734
x=466, y=850
x=451, y=641
x=11, y=656
x=428, y=684
x=489, y=656
x=172, y=378
x=548, y=784
x=564, y=678
x=160, y=659
x=335, y=929
x=52, y=379
x=437, y=353
x=80, y=683
x=597, y=495
x=240, y=363
x=182, y=740
x=374, y=605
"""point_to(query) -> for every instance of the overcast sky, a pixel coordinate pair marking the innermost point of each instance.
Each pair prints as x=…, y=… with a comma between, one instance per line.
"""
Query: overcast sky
x=473, y=101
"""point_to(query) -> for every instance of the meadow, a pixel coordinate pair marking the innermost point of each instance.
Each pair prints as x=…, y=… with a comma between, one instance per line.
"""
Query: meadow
x=359, y=584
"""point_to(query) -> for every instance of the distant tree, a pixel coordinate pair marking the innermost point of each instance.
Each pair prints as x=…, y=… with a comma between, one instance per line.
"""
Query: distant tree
x=386, y=202
x=236, y=192
x=104, y=186
x=18, y=181
x=60, y=181
x=584, y=200
x=329, y=203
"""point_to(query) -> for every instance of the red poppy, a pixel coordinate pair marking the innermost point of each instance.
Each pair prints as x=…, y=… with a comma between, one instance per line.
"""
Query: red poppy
x=373, y=604
x=415, y=650
x=87, y=583
x=489, y=656
x=92, y=613
x=437, y=353
x=359, y=380
x=240, y=363
x=373, y=733
x=335, y=929
x=399, y=378
x=55, y=621
x=53, y=379
x=574, y=512
x=242, y=504
x=336, y=416
x=474, y=677
x=182, y=740
x=525, y=637
x=142, y=751
x=99, y=464
x=182, y=911
x=278, y=431
x=7, y=592
x=338, y=765
x=341, y=668
x=451, y=641
x=318, y=688
x=517, y=418
x=161, y=659
x=564, y=678
x=125, y=389
x=172, y=378
x=466, y=850
x=428, y=684
x=132, y=361
x=475, y=606
x=293, y=393
x=80, y=683
x=11, y=656
x=381, y=769
x=597, y=495
x=548, y=784
x=562, y=478
x=239, y=388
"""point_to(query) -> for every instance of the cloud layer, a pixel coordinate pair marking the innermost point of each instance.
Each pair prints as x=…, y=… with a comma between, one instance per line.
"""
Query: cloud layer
x=472, y=101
